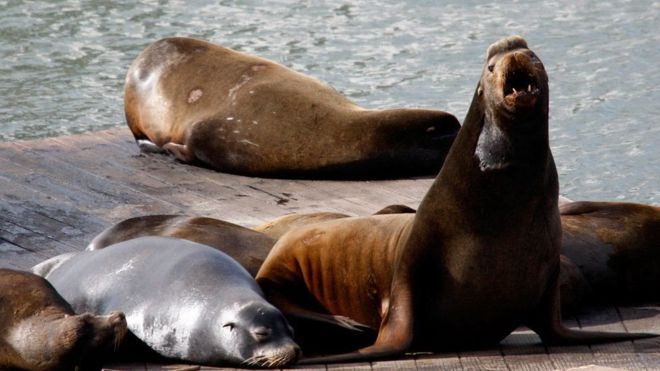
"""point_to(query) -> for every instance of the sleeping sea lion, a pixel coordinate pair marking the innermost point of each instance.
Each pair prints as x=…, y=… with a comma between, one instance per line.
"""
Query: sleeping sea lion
x=184, y=300
x=616, y=247
x=40, y=331
x=243, y=114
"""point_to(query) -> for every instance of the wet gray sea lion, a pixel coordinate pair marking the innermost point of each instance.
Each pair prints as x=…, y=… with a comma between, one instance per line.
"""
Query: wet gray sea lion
x=185, y=300
x=243, y=114
x=479, y=258
x=40, y=331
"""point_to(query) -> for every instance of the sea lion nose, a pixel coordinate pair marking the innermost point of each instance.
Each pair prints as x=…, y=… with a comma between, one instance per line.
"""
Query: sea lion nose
x=520, y=59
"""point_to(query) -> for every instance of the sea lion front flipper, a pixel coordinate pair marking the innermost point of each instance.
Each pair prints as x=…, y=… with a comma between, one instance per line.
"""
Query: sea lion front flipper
x=394, y=336
x=340, y=334
x=180, y=151
x=329, y=319
x=546, y=322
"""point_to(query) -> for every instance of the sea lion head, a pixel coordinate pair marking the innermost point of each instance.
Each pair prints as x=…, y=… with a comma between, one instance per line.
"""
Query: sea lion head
x=63, y=341
x=514, y=78
x=258, y=335
x=107, y=332
x=99, y=335
x=513, y=97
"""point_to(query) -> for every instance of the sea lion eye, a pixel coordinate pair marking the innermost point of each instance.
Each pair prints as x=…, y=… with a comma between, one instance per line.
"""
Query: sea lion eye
x=231, y=326
x=491, y=67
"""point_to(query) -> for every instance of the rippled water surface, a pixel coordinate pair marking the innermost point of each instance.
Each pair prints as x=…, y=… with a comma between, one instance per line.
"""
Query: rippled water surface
x=62, y=65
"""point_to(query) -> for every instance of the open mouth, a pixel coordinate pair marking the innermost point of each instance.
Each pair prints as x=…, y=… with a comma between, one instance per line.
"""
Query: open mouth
x=520, y=89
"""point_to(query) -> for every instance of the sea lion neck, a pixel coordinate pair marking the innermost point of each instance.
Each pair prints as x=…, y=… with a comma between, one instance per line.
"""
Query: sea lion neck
x=501, y=159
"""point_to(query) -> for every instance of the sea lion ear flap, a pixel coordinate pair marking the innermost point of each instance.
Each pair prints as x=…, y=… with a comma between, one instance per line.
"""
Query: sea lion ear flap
x=509, y=43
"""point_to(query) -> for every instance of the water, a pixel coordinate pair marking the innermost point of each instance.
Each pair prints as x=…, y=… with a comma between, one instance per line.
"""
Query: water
x=62, y=66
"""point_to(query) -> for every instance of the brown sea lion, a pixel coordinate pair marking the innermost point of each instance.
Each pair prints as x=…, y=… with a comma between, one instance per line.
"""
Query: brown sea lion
x=616, y=247
x=40, y=331
x=243, y=114
x=478, y=259
x=279, y=226
x=246, y=246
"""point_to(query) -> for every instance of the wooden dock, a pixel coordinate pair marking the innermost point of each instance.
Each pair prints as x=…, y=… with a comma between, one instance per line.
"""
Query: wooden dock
x=58, y=193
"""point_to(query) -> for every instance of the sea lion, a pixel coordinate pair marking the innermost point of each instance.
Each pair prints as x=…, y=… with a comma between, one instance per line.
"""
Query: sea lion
x=479, y=258
x=40, y=330
x=243, y=114
x=279, y=226
x=616, y=247
x=246, y=246
x=185, y=300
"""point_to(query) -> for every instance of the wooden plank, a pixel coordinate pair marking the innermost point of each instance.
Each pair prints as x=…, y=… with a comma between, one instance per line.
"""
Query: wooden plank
x=216, y=189
x=97, y=156
x=644, y=319
x=77, y=177
x=440, y=361
x=405, y=363
x=85, y=191
x=15, y=257
x=32, y=241
x=487, y=359
x=40, y=222
x=621, y=354
x=523, y=350
x=24, y=203
x=565, y=357
x=364, y=366
x=125, y=367
x=172, y=367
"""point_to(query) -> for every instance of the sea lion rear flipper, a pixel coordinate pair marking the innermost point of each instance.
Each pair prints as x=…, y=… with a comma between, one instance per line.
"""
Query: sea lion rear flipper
x=147, y=146
x=44, y=268
x=180, y=151
x=579, y=207
x=546, y=322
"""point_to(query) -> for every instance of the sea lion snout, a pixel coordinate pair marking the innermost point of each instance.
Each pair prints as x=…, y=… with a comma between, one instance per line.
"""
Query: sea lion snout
x=276, y=354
